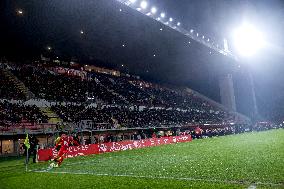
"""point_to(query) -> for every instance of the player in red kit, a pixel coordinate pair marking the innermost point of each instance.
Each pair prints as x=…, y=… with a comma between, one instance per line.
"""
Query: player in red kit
x=63, y=144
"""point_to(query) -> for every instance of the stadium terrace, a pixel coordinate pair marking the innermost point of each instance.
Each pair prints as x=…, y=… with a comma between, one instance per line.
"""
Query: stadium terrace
x=141, y=94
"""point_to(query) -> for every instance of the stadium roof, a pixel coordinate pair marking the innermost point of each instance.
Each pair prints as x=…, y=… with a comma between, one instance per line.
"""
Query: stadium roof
x=112, y=33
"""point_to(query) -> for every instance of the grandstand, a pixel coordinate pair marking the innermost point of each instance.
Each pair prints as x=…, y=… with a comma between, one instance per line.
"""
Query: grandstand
x=89, y=101
x=117, y=76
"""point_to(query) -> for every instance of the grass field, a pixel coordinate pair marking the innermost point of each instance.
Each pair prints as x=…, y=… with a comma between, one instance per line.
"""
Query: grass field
x=237, y=161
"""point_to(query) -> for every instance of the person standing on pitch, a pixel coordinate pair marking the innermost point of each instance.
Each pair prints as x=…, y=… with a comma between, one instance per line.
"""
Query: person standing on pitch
x=63, y=144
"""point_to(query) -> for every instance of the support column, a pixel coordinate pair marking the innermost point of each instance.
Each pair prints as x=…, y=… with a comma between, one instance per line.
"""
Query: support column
x=227, y=91
x=255, y=115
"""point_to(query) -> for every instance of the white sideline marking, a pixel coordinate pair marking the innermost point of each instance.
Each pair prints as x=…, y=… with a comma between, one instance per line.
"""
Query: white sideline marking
x=253, y=186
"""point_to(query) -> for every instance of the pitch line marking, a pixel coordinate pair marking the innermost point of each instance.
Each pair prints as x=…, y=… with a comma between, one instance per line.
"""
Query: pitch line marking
x=252, y=186
x=163, y=177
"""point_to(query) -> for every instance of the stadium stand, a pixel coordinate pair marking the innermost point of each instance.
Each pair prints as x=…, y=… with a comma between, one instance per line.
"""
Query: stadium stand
x=157, y=101
x=8, y=86
x=116, y=107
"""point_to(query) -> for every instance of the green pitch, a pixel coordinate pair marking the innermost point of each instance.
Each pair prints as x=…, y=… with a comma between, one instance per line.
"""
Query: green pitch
x=237, y=161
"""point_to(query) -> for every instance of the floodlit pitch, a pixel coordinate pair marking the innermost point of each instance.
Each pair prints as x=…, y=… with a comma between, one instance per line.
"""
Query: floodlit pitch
x=237, y=161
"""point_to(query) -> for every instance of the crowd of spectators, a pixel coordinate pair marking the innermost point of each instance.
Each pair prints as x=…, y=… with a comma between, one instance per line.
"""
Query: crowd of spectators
x=55, y=87
x=124, y=116
x=111, y=89
x=11, y=113
x=121, y=97
x=8, y=88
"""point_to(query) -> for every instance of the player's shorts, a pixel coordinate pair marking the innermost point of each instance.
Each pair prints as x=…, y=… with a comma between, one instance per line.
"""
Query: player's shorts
x=62, y=151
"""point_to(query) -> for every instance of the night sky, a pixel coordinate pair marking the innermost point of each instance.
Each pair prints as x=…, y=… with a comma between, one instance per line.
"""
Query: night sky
x=97, y=32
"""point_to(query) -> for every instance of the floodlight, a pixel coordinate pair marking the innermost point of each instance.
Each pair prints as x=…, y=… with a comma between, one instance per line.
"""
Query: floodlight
x=178, y=24
x=163, y=15
x=248, y=40
x=143, y=4
x=20, y=12
x=153, y=10
x=171, y=19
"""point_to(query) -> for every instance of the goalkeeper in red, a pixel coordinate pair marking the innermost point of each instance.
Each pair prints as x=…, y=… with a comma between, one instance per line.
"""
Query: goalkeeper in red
x=62, y=144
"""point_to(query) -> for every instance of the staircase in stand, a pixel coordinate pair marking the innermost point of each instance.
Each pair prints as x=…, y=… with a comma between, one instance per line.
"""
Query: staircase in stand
x=18, y=84
x=53, y=118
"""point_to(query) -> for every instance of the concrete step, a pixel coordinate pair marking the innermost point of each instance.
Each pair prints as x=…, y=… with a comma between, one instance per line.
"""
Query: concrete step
x=19, y=84
x=53, y=118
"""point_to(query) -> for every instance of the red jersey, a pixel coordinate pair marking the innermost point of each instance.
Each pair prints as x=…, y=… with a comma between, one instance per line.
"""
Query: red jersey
x=198, y=131
x=65, y=141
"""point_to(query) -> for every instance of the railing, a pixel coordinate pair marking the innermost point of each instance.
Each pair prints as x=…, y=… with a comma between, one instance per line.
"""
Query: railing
x=22, y=128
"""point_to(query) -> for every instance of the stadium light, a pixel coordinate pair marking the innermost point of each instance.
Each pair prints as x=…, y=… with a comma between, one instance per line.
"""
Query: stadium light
x=143, y=4
x=153, y=10
x=163, y=15
x=247, y=40
x=171, y=19
x=178, y=24
x=20, y=12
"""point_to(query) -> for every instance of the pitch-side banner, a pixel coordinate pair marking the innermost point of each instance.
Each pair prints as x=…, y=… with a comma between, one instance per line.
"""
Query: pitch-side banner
x=84, y=150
